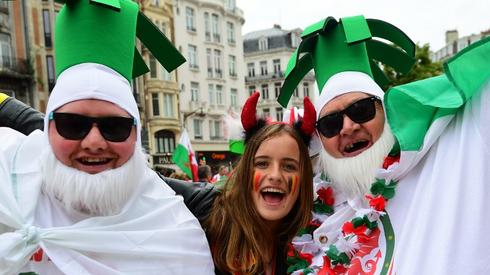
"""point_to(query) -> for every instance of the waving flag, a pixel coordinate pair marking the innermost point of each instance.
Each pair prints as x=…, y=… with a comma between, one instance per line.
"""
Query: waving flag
x=184, y=156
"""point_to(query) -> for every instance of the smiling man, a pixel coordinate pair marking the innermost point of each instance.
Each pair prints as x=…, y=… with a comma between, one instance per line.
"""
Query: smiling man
x=79, y=198
x=403, y=186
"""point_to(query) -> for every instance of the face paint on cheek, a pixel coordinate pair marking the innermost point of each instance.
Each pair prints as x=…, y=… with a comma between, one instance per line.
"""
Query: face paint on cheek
x=257, y=178
x=293, y=183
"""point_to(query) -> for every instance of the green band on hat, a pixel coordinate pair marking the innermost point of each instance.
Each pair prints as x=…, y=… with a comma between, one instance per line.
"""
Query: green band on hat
x=330, y=47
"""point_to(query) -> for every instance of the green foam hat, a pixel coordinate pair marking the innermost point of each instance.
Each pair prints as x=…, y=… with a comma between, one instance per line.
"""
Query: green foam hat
x=104, y=32
x=331, y=47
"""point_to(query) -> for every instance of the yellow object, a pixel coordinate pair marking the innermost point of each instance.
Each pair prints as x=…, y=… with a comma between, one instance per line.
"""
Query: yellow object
x=3, y=97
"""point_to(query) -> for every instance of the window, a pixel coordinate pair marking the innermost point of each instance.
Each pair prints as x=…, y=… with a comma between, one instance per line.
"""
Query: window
x=164, y=141
x=232, y=65
x=277, y=66
x=278, y=114
x=251, y=90
x=251, y=69
x=48, y=42
x=164, y=28
x=233, y=97
x=165, y=75
x=207, y=27
x=197, y=128
x=263, y=44
x=194, y=91
x=192, y=52
x=306, y=89
x=230, y=4
x=5, y=54
x=215, y=27
x=189, y=19
x=266, y=112
x=217, y=64
x=230, y=30
x=219, y=95
x=263, y=67
x=265, y=91
x=277, y=89
x=209, y=60
x=215, y=129
x=296, y=93
x=51, y=74
x=153, y=67
x=295, y=40
x=212, y=95
x=168, y=105
x=155, y=104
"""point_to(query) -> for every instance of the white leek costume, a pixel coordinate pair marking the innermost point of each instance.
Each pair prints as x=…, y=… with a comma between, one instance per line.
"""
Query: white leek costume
x=435, y=222
x=154, y=233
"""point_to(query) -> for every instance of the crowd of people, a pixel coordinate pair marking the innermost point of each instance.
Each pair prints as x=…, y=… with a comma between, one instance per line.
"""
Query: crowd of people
x=400, y=186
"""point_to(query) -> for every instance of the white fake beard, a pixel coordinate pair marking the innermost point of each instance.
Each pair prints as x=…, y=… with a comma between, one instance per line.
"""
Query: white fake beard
x=101, y=194
x=353, y=176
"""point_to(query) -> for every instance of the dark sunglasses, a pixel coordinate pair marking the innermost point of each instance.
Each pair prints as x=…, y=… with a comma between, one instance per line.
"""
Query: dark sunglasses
x=360, y=111
x=76, y=127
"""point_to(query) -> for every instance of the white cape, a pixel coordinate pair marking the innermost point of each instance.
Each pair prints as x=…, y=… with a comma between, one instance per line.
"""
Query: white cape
x=441, y=212
x=154, y=234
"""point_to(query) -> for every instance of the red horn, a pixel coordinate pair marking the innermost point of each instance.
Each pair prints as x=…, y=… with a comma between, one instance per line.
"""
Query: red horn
x=249, y=118
x=291, y=117
x=309, y=117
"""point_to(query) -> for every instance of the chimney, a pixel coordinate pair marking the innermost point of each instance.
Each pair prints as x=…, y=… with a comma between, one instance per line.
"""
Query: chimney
x=451, y=36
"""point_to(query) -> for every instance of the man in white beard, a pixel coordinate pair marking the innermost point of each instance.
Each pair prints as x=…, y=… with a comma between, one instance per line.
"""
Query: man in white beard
x=404, y=175
x=100, y=194
x=79, y=198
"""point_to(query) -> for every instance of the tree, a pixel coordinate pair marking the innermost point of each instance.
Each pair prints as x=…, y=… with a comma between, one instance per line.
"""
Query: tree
x=423, y=68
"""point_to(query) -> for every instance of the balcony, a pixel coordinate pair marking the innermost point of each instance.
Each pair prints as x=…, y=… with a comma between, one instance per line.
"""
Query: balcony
x=15, y=67
x=265, y=77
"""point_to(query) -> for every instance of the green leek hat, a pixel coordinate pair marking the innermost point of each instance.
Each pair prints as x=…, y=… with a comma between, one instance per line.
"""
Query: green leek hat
x=104, y=32
x=331, y=47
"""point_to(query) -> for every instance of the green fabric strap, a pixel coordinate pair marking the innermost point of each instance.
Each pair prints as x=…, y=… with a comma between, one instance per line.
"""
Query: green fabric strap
x=161, y=48
x=356, y=29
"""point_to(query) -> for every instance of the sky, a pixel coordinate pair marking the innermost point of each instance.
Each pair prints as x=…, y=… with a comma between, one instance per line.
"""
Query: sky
x=425, y=21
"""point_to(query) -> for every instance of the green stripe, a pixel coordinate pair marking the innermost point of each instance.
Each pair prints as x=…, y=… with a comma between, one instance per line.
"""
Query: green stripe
x=390, y=243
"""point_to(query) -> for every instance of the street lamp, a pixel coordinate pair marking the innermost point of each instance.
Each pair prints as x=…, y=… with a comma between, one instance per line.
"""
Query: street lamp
x=199, y=112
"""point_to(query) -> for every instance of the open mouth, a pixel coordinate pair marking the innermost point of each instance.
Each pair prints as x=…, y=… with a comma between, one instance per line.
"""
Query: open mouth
x=356, y=146
x=272, y=196
x=94, y=161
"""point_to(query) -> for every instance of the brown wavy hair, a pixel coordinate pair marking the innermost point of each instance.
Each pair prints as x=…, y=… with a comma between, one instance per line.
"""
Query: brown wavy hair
x=239, y=237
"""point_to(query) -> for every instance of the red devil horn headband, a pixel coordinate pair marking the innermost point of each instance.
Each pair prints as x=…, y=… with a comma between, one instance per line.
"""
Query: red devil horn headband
x=251, y=124
x=249, y=117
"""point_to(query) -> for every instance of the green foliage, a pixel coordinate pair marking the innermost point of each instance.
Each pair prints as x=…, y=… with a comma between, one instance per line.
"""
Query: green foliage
x=423, y=68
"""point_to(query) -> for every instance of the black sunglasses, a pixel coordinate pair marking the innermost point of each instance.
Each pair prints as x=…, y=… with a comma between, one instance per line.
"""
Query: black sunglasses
x=76, y=127
x=360, y=111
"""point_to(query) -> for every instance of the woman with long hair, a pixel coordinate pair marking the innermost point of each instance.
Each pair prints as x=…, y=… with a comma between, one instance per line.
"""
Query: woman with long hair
x=267, y=199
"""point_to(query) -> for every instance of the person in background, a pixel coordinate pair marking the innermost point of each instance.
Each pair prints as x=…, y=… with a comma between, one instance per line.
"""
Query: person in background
x=179, y=176
x=204, y=173
x=221, y=175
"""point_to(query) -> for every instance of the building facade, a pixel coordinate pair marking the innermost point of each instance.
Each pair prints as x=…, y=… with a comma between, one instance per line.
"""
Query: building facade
x=212, y=81
x=267, y=53
x=454, y=44
x=158, y=93
x=20, y=54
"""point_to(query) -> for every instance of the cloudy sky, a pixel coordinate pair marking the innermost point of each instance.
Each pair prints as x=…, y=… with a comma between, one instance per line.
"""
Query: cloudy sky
x=425, y=21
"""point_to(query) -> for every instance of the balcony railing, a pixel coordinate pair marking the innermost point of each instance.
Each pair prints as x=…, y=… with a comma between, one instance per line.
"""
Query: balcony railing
x=18, y=65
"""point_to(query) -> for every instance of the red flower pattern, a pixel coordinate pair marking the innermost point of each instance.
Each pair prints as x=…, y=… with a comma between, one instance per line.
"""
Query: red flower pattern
x=326, y=195
x=378, y=203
